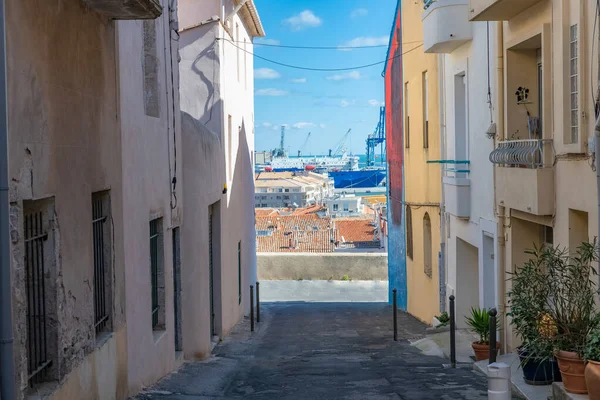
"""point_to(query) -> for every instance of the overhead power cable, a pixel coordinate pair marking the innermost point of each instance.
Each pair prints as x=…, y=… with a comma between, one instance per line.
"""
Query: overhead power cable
x=318, y=69
x=325, y=47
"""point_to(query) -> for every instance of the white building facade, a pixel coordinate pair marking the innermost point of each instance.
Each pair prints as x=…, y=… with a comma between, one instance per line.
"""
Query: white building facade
x=217, y=105
x=468, y=116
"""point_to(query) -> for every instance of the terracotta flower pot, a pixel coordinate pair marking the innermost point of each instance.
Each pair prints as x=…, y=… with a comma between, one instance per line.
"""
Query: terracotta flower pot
x=482, y=350
x=592, y=379
x=572, y=369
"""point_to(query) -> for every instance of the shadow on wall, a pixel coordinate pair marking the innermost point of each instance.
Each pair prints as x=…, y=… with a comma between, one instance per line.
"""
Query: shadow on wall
x=209, y=54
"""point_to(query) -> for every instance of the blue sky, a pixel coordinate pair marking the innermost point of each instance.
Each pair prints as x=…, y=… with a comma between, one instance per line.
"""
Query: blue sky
x=326, y=104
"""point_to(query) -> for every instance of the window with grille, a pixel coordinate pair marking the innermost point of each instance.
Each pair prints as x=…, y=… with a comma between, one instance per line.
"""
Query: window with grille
x=427, y=246
x=425, y=112
x=409, y=233
x=239, y=272
x=150, y=69
x=406, y=116
x=102, y=262
x=573, y=51
x=40, y=287
x=157, y=275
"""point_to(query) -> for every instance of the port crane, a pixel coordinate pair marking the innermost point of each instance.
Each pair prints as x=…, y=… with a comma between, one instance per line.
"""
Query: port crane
x=280, y=152
x=376, y=138
x=341, y=148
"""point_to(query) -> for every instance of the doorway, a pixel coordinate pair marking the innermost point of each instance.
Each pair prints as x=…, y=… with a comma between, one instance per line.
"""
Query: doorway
x=467, y=287
x=488, y=273
x=177, y=289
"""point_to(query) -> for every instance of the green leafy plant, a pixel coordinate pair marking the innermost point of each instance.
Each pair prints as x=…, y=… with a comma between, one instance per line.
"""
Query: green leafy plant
x=345, y=278
x=571, y=292
x=443, y=318
x=592, y=349
x=479, y=322
x=528, y=307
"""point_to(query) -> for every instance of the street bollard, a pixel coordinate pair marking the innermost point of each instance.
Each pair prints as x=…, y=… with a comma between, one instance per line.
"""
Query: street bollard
x=452, y=333
x=251, y=308
x=499, y=385
x=493, y=351
x=257, y=302
x=395, y=305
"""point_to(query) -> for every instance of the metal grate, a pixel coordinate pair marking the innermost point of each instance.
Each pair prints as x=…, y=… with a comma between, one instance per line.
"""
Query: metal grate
x=154, y=238
x=99, y=218
x=37, y=350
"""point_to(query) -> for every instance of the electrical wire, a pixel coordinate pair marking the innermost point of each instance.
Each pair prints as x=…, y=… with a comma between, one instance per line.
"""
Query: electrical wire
x=326, y=47
x=318, y=69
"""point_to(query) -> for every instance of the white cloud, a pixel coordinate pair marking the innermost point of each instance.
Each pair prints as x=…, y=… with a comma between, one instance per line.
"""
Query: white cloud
x=362, y=41
x=299, y=80
x=306, y=19
x=359, y=12
x=266, y=124
x=344, y=103
x=273, y=42
x=303, y=125
x=322, y=126
x=346, y=75
x=270, y=92
x=376, y=103
x=266, y=73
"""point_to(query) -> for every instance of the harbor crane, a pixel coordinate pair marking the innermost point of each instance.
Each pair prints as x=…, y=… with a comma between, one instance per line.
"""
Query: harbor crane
x=341, y=148
x=280, y=152
x=375, y=139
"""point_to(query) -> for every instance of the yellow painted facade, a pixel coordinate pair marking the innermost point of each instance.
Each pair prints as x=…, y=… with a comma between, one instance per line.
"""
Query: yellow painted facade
x=422, y=180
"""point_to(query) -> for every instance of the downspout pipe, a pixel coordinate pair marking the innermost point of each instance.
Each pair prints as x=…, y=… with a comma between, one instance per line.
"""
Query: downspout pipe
x=442, y=260
x=500, y=211
x=7, y=368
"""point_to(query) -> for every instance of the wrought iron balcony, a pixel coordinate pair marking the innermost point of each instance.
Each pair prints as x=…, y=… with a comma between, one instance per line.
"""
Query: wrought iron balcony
x=529, y=153
x=525, y=177
x=126, y=9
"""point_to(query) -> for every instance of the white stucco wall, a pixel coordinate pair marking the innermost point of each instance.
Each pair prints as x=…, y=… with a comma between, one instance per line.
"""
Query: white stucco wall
x=214, y=159
x=471, y=59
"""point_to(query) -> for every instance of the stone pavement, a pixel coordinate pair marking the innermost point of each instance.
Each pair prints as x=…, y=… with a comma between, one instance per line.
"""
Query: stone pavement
x=321, y=351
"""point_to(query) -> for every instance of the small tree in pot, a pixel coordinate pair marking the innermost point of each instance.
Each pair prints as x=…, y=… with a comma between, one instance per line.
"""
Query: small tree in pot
x=571, y=305
x=592, y=369
x=527, y=302
x=479, y=323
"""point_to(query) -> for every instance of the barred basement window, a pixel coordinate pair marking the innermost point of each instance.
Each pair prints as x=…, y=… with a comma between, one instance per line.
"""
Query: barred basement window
x=157, y=275
x=40, y=280
x=574, y=85
x=102, y=262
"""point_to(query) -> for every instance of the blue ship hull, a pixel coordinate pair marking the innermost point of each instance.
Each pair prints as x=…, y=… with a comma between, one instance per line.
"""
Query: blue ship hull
x=357, y=179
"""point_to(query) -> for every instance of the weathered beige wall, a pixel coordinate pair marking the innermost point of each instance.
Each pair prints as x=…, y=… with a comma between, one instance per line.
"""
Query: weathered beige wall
x=310, y=266
x=149, y=164
x=422, y=180
x=64, y=144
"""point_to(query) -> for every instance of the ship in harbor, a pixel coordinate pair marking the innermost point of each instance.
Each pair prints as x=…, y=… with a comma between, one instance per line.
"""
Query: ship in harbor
x=343, y=168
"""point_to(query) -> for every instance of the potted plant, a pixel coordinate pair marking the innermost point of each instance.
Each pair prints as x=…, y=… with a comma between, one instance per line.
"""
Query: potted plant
x=571, y=306
x=531, y=321
x=592, y=369
x=479, y=323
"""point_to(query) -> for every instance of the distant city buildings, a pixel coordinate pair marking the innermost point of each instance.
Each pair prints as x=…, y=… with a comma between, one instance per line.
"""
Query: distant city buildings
x=291, y=189
x=344, y=205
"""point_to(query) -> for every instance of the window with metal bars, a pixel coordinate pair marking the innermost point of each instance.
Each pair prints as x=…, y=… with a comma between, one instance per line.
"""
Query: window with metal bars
x=40, y=289
x=157, y=275
x=102, y=262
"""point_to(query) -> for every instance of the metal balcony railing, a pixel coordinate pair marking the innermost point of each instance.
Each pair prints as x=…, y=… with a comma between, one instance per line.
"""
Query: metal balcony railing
x=529, y=153
x=428, y=3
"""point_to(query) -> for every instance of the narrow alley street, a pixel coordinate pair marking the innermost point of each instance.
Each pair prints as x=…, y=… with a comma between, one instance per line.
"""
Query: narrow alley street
x=321, y=351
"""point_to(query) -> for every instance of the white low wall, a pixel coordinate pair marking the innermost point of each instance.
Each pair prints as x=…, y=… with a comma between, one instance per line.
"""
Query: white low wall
x=327, y=266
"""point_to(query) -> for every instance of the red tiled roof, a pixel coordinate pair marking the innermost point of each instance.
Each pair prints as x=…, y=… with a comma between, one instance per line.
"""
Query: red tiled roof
x=356, y=230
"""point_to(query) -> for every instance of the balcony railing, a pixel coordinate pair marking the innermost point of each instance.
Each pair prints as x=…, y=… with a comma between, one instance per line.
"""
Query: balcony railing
x=427, y=3
x=529, y=153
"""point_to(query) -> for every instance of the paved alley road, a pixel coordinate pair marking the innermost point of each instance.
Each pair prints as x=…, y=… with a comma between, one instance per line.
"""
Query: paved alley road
x=321, y=351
